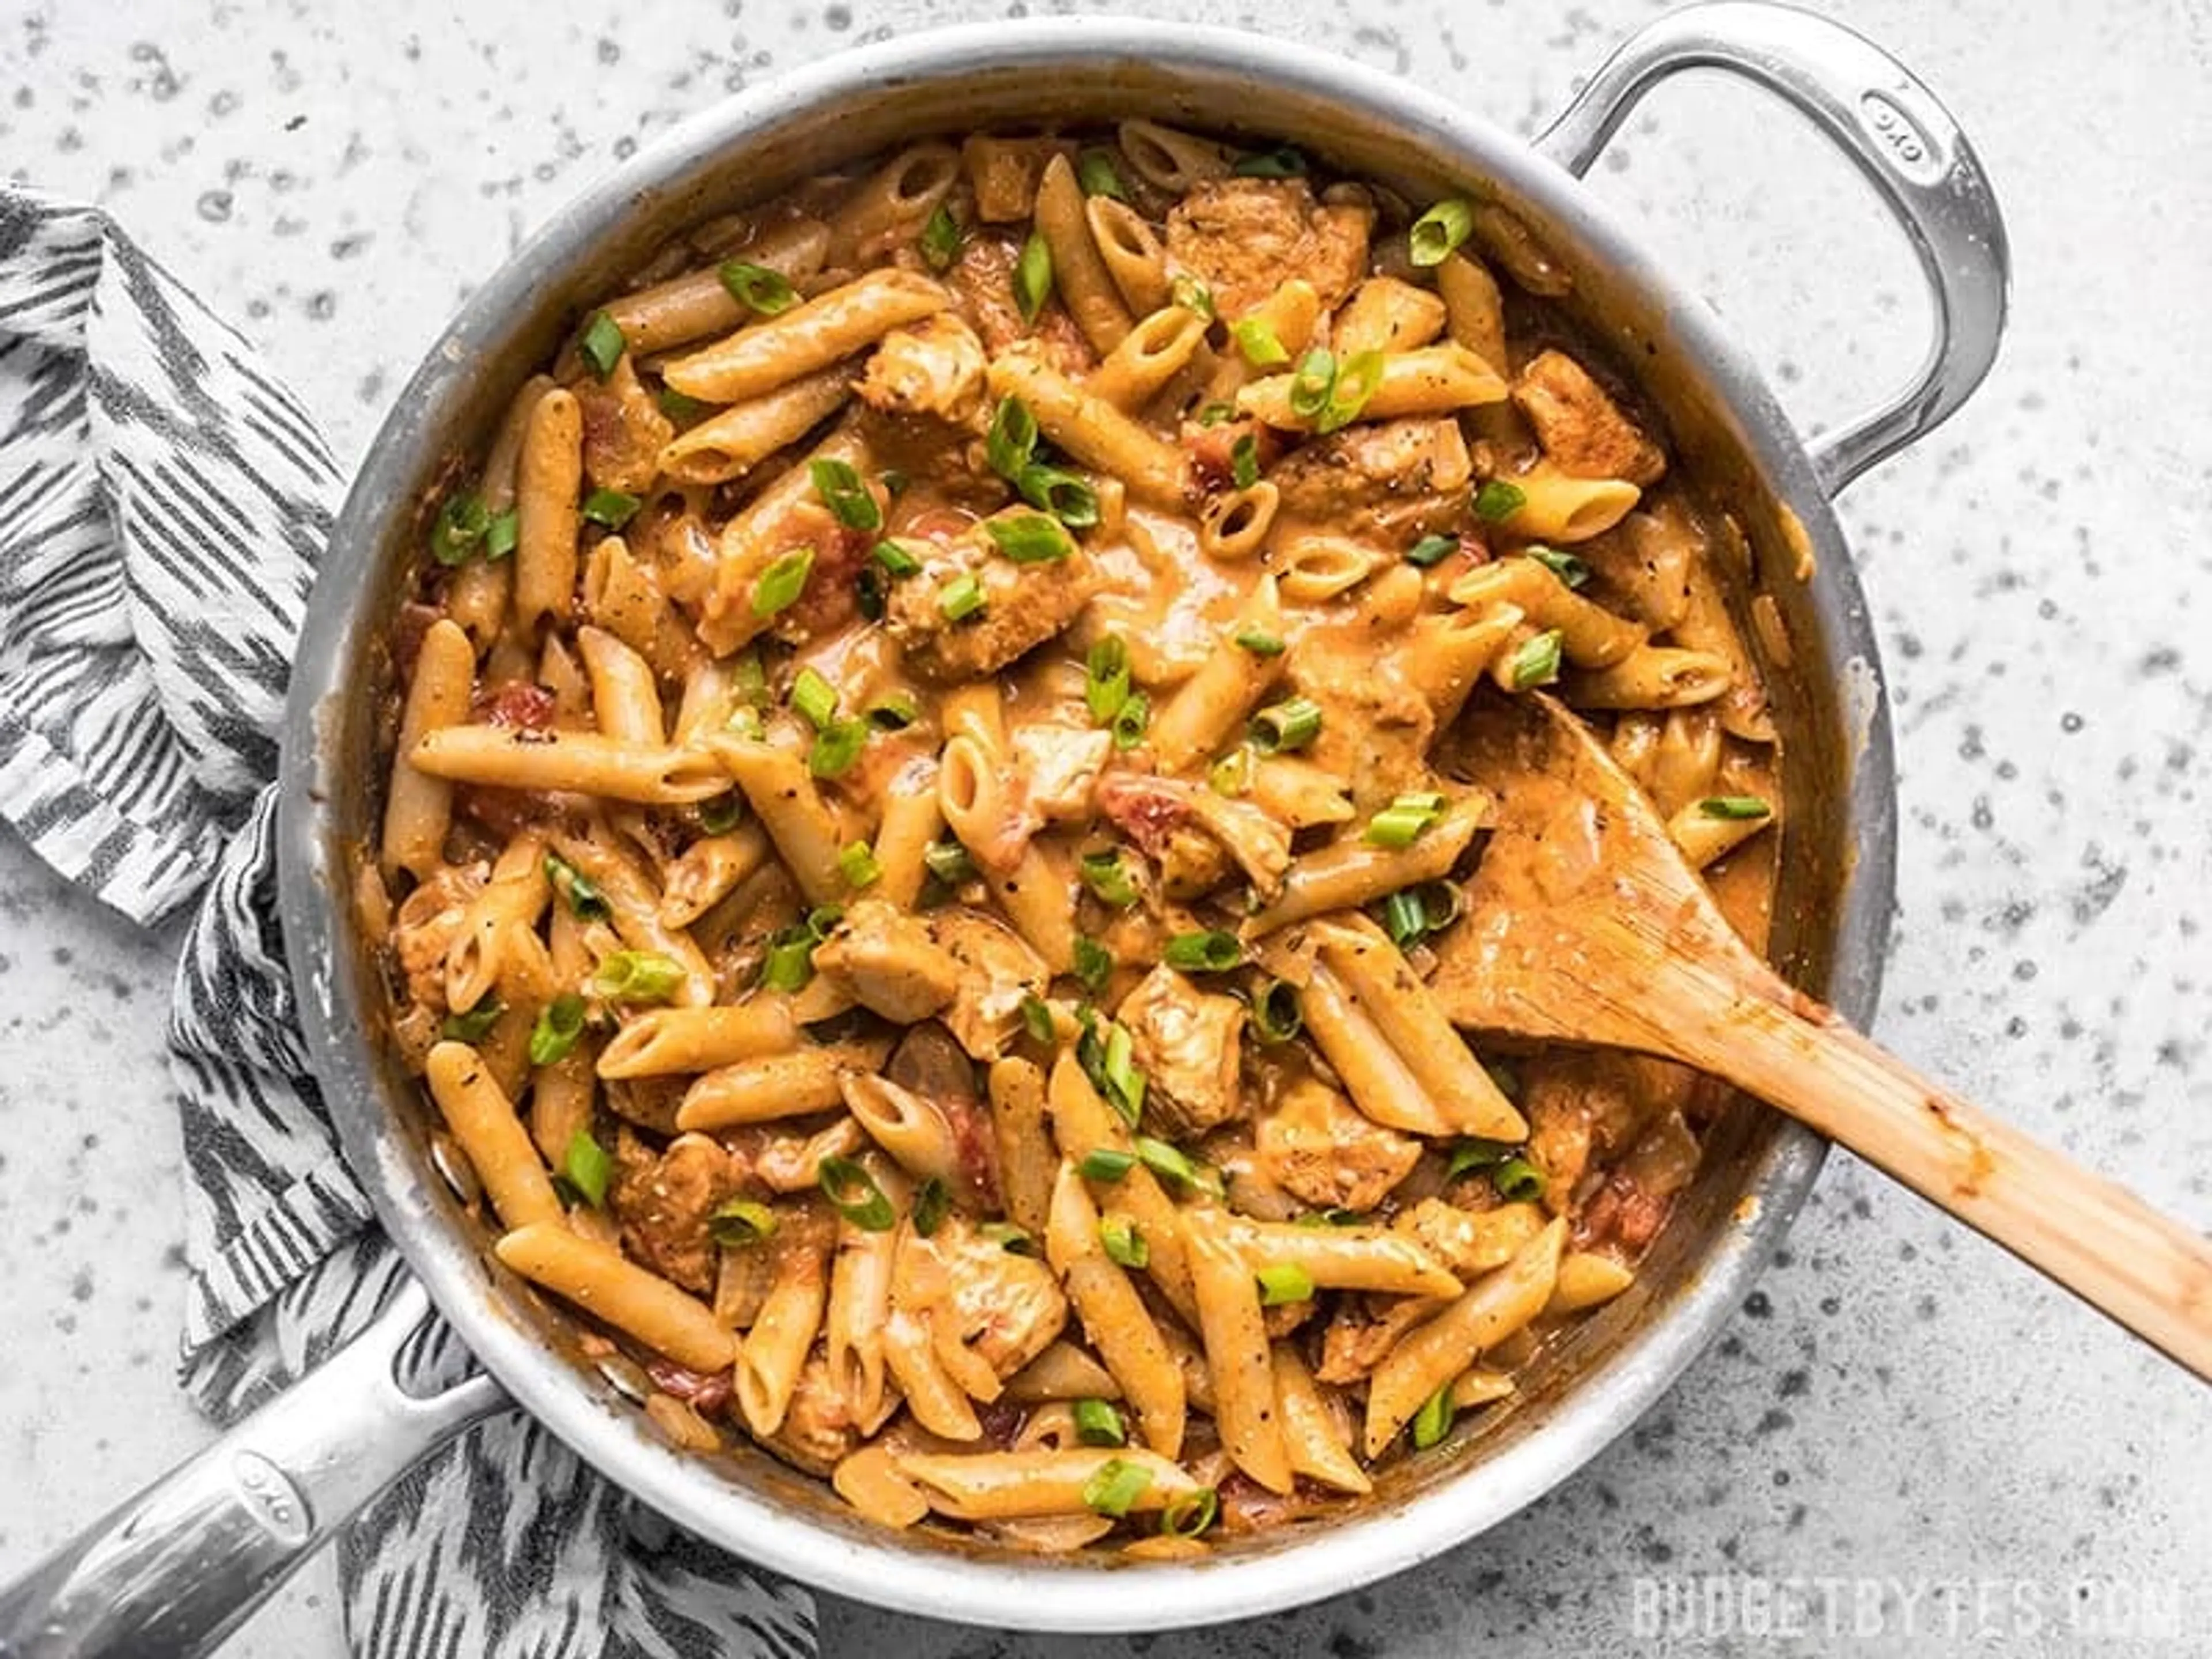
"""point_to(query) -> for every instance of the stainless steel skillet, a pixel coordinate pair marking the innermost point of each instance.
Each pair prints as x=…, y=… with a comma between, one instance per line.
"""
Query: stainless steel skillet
x=174, y=1568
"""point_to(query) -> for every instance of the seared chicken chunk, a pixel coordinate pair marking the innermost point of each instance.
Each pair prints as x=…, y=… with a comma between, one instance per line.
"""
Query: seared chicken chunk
x=1244, y=237
x=1315, y=1145
x=997, y=970
x=623, y=430
x=933, y=368
x=429, y=923
x=817, y=1431
x=1185, y=1041
x=888, y=961
x=1058, y=765
x=1378, y=728
x=1024, y=604
x=1581, y=429
x=1389, y=479
x=663, y=1203
x=1007, y=1308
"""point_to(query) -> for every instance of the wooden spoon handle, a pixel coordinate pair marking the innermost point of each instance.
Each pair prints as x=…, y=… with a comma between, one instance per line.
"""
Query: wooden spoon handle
x=2092, y=1236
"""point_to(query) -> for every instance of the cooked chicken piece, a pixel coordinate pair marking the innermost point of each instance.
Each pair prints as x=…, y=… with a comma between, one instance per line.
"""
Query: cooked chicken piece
x=429, y=921
x=1471, y=1243
x=997, y=970
x=1581, y=429
x=1391, y=481
x=887, y=960
x=817, y=1432
x=1024, y=604
x=982, y=284
x=1244, y=237
x=649, y=1102
x=1378, y=728
x=1364, y=1329
x=1173, y=822
x=1185, y=1041
x=1007, y=1308
x=1192, y=863
x=663, y=1203
x=933, y=368
x=623, y=430
x=1058, y=765
x=1315, y=1145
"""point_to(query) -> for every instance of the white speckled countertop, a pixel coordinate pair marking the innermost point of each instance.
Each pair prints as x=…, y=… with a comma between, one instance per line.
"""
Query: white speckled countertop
x=1898, y=1400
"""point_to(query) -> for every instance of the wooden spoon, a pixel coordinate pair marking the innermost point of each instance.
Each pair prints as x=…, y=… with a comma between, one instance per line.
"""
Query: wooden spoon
x=1585, y=926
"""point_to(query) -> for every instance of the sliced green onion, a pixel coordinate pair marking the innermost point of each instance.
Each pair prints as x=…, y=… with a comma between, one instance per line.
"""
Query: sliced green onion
x=895, y=559
x=1734, y=806
x=461, y=524
x=1037, y=1019
x=475, y=1024
x=846, y=494
x=1012, y=443
x=1231, y=776
x=1472, y=1153
x=895, y=481
x=1281, y=162
x=681, y=407
x=1211, y=951
x=789, y=964
x=1215, y=414
x=1432, y=550
x=1282, y=1282
x=1355, y=383
x=586, y=1166
x=738, y=1222
x=961, y=598
x=778, y=587
x=1190, y=1513
x=756, y=288
x=1169, y=1163
x=1506, y=1076
x=1275, y=1015
x=1067, y=497
x=745, y=722
x=940, y=239
x=1189, y=294
x=1518, y=1180
x=1261, y=346
x=869, y=596
x=1310, y=385
x=1106, y=678
x=1434, y=1420
x=823, y=917
x=949, y=862
x=1404, y=918
x=1098, y=1424
x=749, y=677
x=814, y=698
x=1244, y=461
x=1106, y=1164
x=1115, y=1486
x=1013, y=1240
x=1565, y=566
x=1033, y=276
x=1030, y=537
x=1095, y=173
x=501, y=533
x=836, y=747
x=1107, y=874
x=1124, y=1245
x=1498, y=501
x=931, y=1203
x=1399, y=824
x=584, y=900
x=637, y=976
x=1285, y=726
x=1125, y=1083
x=601, y=344
x=852, y=1191
x=1131, y=720
x=1260, y=643
x=1337, y=1217
x=857, y=864
x=1093, y=964
x=894, y=712
x=1438, y=231
x=559, y=1023
x=1537, y=662
x=1441, y=903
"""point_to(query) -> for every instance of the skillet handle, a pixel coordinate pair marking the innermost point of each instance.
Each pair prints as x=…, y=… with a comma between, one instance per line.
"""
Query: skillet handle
x=1901, y=137
x=173, y=1571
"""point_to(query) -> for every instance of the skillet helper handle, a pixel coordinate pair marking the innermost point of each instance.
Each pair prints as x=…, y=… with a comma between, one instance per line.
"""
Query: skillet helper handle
x=173, y=1571
x=1879, y=114
x=2148, y=1271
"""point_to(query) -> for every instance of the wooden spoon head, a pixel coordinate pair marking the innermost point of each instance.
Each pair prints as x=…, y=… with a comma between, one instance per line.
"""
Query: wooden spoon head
x=1583, y=924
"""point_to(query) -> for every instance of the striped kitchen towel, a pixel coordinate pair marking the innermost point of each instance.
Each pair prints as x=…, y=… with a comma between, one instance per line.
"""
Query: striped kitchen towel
x=163, y=500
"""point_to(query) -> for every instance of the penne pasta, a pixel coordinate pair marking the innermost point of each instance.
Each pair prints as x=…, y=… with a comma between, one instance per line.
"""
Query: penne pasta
x=602, y=1282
